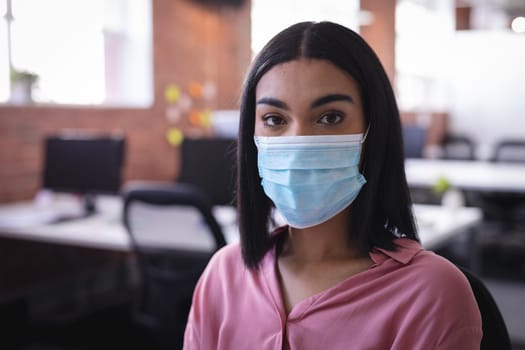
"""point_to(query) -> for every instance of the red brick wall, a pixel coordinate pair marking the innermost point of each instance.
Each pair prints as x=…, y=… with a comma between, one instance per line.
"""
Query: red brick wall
x=381, y=32
x=463, y=15
x=191, y=43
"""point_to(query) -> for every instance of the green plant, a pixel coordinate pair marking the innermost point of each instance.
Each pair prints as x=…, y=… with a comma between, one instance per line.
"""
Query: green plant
x=441, y=185
x=23, y=75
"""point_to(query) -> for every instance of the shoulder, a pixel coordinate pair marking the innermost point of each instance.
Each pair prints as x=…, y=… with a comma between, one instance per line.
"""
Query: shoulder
x=425, y=268
x=431, y=280
x=428, y=282
x=230, y=254
x=443, y=288
x=226, y=262
x=211, y=298
x=219, y=279
x=440, y=302
x=439, y=273
x=419, y=268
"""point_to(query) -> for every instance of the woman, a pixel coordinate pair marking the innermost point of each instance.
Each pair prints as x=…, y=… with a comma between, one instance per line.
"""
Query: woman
x=320, y=140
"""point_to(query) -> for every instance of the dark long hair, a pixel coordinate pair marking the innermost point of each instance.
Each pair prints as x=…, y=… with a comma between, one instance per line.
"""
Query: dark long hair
x=383, y=205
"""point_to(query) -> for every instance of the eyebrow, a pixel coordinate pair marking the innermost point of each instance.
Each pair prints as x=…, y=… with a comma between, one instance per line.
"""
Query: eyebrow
x=318, y=102
x=331, y=98
x=273, y=102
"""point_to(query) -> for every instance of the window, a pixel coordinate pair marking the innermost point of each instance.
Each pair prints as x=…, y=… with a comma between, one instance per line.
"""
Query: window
x=424, y=33
x=88, y=52
x=271, y=16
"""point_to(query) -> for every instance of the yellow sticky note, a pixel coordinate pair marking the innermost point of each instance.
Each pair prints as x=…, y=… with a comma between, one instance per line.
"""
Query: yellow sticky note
x=172, y=93
x=206, y=118
x=174, y=136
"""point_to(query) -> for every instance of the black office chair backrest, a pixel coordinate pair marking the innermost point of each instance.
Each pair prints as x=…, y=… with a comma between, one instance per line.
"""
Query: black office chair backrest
x=509, y=151
x=184, y=198
x=495, y=334
x=458, y=147
x=173, y=233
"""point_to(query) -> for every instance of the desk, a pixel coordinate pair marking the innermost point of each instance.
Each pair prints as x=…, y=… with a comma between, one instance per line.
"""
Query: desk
x=437, y=225
x=103, y=234
x=105, y=230
x=467, y=175
x=33, y=222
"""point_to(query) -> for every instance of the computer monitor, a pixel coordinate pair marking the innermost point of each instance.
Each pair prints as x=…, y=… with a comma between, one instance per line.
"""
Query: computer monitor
x=210, y=164
x=414, y=139
x=84, y=164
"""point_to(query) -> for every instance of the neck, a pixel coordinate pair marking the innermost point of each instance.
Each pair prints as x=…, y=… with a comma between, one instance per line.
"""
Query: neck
x=323, y=242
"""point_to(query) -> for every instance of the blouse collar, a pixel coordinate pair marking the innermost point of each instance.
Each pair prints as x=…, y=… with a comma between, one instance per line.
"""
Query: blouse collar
x=406, y=249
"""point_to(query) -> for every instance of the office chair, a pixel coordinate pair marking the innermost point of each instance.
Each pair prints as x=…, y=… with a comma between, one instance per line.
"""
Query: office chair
x=507, y=208
x=503, y=254
x=509, y=151
x=495, y=334
x=458, y=147
x=164, y=221
x=461, y=147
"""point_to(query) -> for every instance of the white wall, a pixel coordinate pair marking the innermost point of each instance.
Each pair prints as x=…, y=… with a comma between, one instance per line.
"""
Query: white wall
x=271, y=16
x=487, y=87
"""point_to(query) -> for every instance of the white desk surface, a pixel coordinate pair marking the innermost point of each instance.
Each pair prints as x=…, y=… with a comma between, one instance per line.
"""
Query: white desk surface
x=33, y=221
x=436, y=224
x=105, y=230
x=469, y=175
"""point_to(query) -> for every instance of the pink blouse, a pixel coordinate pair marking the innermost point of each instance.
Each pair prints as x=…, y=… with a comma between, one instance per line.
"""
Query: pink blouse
x=408, y=299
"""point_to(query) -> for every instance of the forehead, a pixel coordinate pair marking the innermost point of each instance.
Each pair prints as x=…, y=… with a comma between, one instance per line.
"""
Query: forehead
x=306, y=78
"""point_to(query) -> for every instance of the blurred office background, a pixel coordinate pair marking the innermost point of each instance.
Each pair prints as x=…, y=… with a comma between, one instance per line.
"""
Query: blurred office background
x=158, y=72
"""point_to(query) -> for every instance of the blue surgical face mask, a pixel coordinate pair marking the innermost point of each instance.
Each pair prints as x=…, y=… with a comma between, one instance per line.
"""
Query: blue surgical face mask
x=310, y=179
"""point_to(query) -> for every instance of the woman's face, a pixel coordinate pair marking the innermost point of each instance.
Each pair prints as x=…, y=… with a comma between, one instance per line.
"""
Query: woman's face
x=307, y=97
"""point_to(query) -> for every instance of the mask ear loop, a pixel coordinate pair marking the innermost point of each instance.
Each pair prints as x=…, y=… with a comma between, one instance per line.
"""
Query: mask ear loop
x=366, y=134
x=362, y=165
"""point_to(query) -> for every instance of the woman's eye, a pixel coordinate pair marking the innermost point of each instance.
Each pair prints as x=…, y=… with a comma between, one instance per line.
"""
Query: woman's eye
x=330, y=118
x=273, y=120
